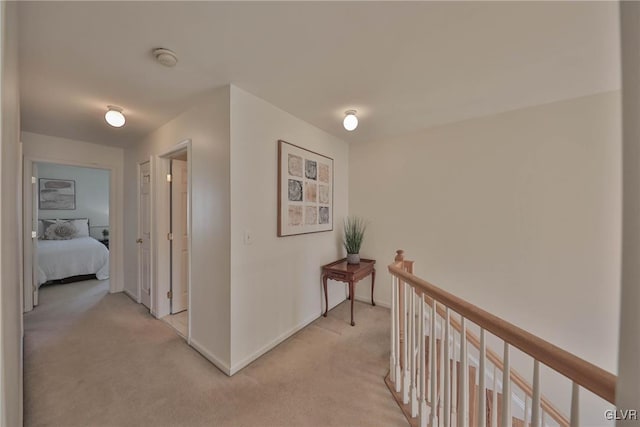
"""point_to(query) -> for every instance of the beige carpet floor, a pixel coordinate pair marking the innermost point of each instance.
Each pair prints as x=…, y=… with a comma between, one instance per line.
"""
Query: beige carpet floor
x=179, y=322
x=99, y=359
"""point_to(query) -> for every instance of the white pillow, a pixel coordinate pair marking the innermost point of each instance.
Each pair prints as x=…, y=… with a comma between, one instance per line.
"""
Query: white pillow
x=82, y=226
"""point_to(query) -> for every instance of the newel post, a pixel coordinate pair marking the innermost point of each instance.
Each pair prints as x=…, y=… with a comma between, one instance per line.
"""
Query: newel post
x=399, y=255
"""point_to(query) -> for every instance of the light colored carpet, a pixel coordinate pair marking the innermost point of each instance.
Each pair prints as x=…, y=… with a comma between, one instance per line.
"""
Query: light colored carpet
x=179, y=322
x=99, y=359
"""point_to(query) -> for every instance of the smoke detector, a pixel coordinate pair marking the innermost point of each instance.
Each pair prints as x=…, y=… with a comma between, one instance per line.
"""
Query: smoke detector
x=165, y=56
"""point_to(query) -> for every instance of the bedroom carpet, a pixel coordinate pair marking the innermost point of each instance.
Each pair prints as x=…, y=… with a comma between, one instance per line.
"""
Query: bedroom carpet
x=99, y=359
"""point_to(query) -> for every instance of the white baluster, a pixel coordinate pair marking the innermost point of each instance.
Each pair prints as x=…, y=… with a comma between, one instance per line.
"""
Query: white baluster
x=526, y=409
x=535, y=404
x=392, y=357
x=417, y=352
x=423, y=363
x=494, y=401
x=575, y=405
x=454, y=384
x=506, y=388
x=482, y=387
x=428, y=364
x=441, y=369
x=397, y=370
x=405, y=367
x=432, y=363
x=447, y=368
x=463, y=416
x=414, y=395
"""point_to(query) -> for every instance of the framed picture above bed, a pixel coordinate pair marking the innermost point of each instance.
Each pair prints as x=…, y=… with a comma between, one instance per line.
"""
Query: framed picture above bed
x=56, y=194
x=305, y=191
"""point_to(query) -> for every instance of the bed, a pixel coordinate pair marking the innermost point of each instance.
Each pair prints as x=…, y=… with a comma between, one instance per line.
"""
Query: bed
x=77, y=255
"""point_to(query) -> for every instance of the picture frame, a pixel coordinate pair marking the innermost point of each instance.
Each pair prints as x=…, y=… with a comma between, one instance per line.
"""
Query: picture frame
x=305, y=191
x=56, y=194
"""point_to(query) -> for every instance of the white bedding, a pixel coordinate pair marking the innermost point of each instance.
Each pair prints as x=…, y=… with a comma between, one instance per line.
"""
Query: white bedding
x=58, y=259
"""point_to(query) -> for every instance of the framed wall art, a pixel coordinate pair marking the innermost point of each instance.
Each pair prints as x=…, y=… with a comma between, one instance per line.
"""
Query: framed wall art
x=305, y=191
x=56, y=194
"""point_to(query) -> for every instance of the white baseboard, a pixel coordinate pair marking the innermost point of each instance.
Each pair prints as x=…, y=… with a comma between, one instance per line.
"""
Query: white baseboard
x=116, y=290
x=210, y=357
x=247, y=360
x=131, y=295
x=115, y=285
x=378, y=303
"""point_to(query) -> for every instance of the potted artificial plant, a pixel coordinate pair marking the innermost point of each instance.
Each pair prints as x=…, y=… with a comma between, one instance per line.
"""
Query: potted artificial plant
x=354, y=228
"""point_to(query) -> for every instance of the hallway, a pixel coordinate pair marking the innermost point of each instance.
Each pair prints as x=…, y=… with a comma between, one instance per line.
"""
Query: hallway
x=98, y=359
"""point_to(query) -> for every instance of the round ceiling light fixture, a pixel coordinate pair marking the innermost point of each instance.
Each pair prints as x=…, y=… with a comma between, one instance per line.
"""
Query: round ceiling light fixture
x=166, y=57
x=350, y=121
x=114, y=116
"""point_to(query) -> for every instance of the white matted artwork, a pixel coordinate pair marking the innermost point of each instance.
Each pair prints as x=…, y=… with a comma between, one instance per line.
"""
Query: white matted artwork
x=305, y=191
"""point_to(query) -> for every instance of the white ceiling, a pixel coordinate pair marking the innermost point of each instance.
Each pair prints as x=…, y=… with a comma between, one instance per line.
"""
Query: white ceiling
x=403, y=66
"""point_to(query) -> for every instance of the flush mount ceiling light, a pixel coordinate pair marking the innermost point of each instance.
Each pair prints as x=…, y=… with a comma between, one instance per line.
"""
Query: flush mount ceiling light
x=166, y=57
x=114, y=116
x=350, y=121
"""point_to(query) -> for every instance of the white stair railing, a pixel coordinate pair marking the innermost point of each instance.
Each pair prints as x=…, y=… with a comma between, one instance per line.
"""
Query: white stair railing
x=431, y=375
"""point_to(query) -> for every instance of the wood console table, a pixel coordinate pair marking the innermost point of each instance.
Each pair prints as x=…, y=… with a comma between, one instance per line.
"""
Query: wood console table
x=348, y=273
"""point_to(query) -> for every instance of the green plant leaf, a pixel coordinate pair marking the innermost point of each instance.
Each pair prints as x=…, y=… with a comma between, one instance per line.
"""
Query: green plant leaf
x=354, y=228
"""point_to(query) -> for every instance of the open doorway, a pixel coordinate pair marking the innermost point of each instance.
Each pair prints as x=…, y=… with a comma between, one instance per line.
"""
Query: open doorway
x=69, y=216
x=179, y=243
x=170, y=266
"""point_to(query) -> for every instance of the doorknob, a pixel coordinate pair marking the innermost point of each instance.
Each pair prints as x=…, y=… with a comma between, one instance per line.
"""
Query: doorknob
x=139, y=241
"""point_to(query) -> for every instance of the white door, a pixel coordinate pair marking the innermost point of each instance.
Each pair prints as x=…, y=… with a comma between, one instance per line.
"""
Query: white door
x=179, y=244
x=35, y=191
x=144, y=234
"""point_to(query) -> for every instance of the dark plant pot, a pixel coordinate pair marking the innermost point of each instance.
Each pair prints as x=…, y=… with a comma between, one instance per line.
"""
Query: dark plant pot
x=353, y=258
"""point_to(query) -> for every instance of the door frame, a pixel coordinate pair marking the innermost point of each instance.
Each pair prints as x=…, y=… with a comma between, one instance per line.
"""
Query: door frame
x=162, y=227
x=115, y=224
x=176, y=258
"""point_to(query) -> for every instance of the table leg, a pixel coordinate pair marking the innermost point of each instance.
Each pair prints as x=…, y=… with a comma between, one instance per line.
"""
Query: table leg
x=373, y=282
x=352, y=299
x=326, y=297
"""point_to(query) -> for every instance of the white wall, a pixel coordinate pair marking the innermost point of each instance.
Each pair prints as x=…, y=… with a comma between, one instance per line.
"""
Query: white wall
x=10, y=294
x=207, y=125
x=45, y=148
x=244, y=299
x=628, y=389
x=275, y=281
x=518, y=213
x=92, y=195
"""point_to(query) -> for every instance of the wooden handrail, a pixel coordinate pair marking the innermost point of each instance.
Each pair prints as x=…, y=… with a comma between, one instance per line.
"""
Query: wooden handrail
x=587, y=375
